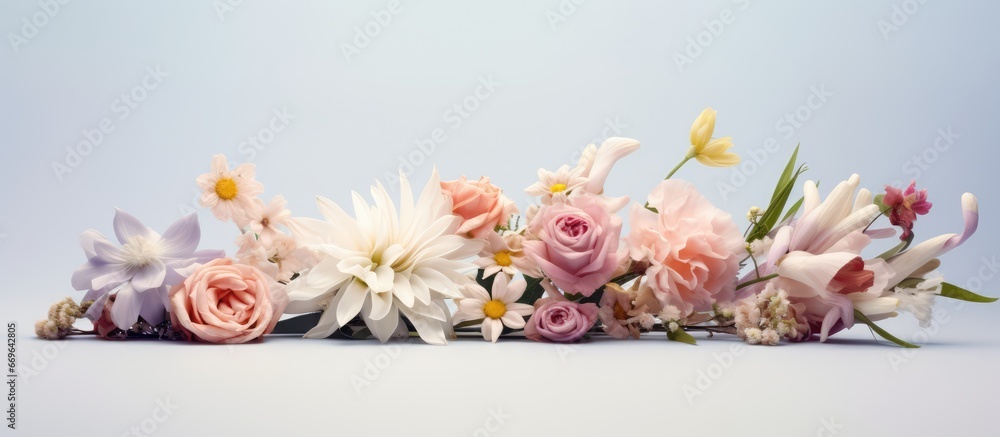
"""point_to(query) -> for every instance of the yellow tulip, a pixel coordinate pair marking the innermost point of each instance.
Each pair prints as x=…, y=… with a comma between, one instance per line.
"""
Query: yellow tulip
x=708, y=151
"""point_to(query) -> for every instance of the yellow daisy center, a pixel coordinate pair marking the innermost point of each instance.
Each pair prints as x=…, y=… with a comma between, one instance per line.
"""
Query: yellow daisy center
x=557, y=188
x=226, y=189
x=502, y=258
x=495, y=309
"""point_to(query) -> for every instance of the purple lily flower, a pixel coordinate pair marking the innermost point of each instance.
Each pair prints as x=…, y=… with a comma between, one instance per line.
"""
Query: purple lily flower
x=141, y=270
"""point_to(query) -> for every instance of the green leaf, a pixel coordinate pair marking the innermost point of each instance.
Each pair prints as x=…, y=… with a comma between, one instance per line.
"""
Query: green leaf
x=783, y=189
x=897, y=249
x=298, y=324
x=881, y=205
x=533, y=291
x=881, y=332
x=954, y=292
x=469, y=323
x=486, y=283
x=910, y=282
x=626, y=278
x=774, y=209
x=794, y=209
x=681, y=336
x=786, y=175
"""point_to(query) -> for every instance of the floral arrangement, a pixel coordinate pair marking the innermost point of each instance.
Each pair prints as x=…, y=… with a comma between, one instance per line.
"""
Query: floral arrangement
x=454, y=260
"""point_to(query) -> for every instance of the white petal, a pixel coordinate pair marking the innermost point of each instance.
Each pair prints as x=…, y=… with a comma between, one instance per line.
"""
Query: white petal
x=402, y=290
x=430, y=330
x=513, y=320
x=125, y=311
x=352, y=299
x=384, y=327
x=152, y=309
x=327, y=322
x=381, y=303
x=420, y=289
x=384, y=278
x=128, y=227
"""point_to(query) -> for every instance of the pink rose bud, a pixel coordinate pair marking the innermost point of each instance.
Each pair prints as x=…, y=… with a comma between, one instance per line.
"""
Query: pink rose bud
x=560, y=321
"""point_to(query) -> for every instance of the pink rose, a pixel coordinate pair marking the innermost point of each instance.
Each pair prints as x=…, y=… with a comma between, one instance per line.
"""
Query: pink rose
x=560, y=321
x=480, y=204
x=577, y=246
x=691, y=246
x=223, y=302
x=104, y=326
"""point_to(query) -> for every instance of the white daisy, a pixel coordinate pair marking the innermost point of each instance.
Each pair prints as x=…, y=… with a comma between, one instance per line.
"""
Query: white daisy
x=381, y=264
x=230, y=193
x=555, y=187
x=505, y=253
x=496, y=309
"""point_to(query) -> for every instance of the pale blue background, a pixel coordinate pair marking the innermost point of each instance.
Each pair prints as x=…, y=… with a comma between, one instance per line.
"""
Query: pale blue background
x=560, y=84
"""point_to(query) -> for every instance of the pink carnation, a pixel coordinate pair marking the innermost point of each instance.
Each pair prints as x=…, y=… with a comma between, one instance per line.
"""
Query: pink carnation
x=577, y=246
x=691, y=246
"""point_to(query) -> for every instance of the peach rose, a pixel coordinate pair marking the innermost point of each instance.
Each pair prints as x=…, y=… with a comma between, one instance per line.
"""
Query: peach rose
x=481, y=205
x=224, y=302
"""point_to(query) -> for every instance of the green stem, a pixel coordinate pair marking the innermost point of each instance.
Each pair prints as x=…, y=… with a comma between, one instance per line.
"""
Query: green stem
x=681, y=164
x=880, y=214
x=756, y=269
x=678, y=167
x=754, y=281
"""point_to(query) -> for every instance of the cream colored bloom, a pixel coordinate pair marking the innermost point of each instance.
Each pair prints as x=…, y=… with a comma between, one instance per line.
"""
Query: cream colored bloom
x=555, y=187
x=384, y=263
x=505, y=253
x=229, y=193
x=708, y=151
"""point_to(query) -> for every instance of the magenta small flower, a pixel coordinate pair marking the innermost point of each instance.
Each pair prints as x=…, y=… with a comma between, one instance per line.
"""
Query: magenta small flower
x=904, y=206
